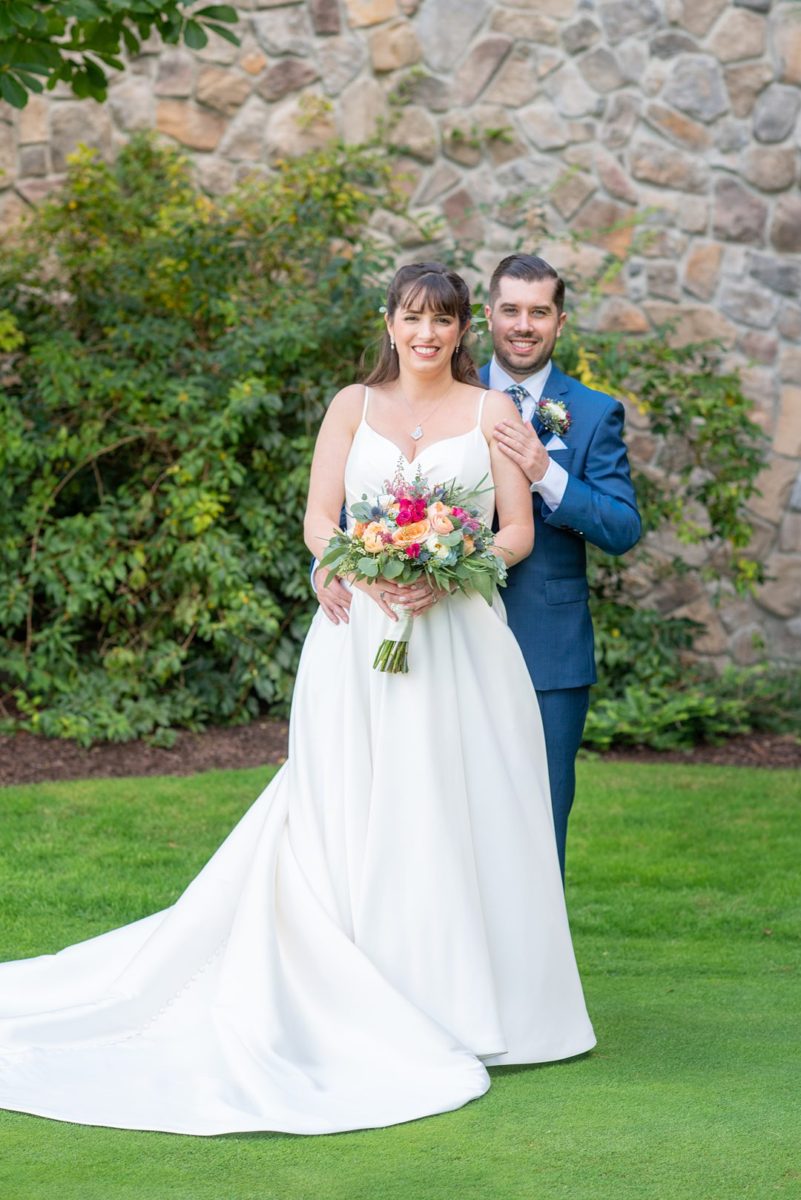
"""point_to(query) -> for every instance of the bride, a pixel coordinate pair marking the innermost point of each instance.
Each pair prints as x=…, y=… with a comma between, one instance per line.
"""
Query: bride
x=388, y=918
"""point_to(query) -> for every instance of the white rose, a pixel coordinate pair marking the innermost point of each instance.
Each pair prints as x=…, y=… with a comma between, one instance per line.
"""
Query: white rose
x=436, y=547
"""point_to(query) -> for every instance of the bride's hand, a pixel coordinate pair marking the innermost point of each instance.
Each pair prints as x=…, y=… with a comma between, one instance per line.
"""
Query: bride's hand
x=416, y=597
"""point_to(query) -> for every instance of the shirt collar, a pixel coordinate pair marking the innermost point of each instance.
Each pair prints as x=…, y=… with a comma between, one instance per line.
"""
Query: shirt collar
x=534, y=385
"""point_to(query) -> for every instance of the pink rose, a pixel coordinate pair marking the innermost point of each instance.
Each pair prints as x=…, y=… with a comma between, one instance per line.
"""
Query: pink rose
x=413, y=551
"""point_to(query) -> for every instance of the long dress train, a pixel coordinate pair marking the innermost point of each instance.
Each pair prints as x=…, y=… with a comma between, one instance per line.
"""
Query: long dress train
x=386, y=919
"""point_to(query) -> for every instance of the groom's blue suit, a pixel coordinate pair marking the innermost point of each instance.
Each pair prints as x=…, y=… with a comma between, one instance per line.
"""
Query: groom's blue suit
x=547, y=595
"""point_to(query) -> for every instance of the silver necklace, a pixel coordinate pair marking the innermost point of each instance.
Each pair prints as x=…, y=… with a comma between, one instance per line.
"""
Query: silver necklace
x=417, y=432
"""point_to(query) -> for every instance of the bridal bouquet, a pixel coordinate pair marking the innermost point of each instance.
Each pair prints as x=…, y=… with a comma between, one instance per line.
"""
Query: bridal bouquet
x=414, y=529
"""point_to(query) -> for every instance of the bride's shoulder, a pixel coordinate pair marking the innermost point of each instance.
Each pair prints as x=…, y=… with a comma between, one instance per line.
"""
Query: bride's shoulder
x=498, y=406
x=347, y=405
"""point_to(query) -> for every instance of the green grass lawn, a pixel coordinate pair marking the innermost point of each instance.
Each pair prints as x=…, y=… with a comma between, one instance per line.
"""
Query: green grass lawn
x=684, y=898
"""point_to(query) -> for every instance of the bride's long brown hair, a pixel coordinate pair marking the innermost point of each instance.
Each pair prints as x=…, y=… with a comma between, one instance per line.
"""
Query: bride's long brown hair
x=427, y=285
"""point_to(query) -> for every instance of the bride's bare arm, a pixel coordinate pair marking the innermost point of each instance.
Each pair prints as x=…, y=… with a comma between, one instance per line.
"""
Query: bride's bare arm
x=515, y=536
x=327, y=479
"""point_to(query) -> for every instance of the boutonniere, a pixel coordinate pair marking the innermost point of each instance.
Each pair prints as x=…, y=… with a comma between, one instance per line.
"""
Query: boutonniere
x=553, y=415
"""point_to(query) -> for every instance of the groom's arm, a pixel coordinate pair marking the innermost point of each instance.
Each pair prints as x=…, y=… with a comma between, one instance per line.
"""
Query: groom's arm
x=602, y=505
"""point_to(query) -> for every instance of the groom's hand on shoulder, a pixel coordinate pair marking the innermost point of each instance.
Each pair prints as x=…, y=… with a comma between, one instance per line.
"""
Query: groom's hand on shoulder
x=519, y=442
x=335, y=599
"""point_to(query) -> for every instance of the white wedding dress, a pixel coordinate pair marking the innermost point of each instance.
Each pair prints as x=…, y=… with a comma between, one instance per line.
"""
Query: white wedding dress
x=385, y=920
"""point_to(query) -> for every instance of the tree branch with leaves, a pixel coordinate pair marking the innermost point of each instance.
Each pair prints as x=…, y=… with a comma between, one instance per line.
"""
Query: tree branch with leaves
x=79, y=42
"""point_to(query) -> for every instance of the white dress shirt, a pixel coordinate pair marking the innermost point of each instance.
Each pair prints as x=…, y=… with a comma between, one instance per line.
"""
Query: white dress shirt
x=554, y=482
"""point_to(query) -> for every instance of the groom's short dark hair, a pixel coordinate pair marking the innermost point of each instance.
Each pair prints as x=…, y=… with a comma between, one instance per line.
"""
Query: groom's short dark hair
x=530, y=268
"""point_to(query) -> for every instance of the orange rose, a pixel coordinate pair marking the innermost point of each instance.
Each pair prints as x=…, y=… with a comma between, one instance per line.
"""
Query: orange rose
x=408, y=534
x=439, y=515
x=469, y=545
x=373, y=541
x=359, y=528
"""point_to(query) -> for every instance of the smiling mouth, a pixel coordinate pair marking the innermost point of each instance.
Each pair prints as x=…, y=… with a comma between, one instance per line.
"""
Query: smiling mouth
x=521, y=347
x=426, y=351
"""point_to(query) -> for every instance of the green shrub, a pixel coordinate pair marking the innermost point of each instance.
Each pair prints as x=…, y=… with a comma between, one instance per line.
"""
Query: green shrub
x=711, y=449
x=650, y=692
x=697, y=706
x=164, y=370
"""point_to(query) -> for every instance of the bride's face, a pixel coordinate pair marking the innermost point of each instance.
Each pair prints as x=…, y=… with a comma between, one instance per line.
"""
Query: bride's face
x=424, y=338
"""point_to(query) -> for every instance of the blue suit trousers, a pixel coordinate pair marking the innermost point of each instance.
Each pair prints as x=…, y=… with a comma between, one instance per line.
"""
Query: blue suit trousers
x=564, y=711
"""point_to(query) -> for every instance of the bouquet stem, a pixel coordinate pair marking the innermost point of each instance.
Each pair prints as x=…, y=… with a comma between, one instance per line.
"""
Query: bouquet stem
x=393, y=653
x=392, y=657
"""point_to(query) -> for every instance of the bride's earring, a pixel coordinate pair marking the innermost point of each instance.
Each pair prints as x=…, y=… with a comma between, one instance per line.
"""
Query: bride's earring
x=391, y=342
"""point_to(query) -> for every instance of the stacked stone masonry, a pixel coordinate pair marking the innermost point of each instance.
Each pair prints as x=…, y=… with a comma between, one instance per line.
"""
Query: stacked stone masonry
x=685, y=114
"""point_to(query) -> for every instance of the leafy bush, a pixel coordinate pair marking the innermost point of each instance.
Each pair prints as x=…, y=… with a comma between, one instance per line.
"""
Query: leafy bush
x=698, y=706
x=711, y=449
x=166, y=366
x=650, y=692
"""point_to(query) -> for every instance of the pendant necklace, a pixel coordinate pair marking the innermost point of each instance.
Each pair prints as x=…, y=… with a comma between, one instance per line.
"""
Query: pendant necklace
x=417, y=432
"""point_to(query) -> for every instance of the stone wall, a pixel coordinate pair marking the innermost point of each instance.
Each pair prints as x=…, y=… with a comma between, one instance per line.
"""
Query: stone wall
x=552, y=113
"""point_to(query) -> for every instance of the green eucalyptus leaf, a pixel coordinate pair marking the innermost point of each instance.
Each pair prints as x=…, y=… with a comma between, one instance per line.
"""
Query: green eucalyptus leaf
x=392, y=568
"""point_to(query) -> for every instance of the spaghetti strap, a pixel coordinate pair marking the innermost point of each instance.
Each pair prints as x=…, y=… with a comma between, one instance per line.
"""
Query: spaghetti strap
x=366, y=397
x=480, y=409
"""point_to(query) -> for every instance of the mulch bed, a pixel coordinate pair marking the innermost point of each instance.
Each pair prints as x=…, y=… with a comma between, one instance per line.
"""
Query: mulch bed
x=778, y=750
x=28, y=759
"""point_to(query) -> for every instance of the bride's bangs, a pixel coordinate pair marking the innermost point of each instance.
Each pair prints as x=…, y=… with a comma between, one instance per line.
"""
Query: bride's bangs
x=432, y=293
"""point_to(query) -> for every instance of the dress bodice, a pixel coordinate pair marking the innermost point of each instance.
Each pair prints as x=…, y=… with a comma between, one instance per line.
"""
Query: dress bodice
x=374, y=459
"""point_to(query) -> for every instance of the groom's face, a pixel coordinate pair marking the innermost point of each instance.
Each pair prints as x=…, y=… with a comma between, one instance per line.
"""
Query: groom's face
x=525, y=323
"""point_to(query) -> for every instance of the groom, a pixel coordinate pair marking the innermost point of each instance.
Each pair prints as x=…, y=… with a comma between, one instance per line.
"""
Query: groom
x=575, y=459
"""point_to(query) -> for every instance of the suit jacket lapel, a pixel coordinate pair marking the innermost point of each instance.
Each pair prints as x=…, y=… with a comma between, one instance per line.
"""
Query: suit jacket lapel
x=558, y=383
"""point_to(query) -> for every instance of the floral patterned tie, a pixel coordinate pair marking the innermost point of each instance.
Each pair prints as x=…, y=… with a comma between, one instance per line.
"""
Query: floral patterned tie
x=518, y=394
